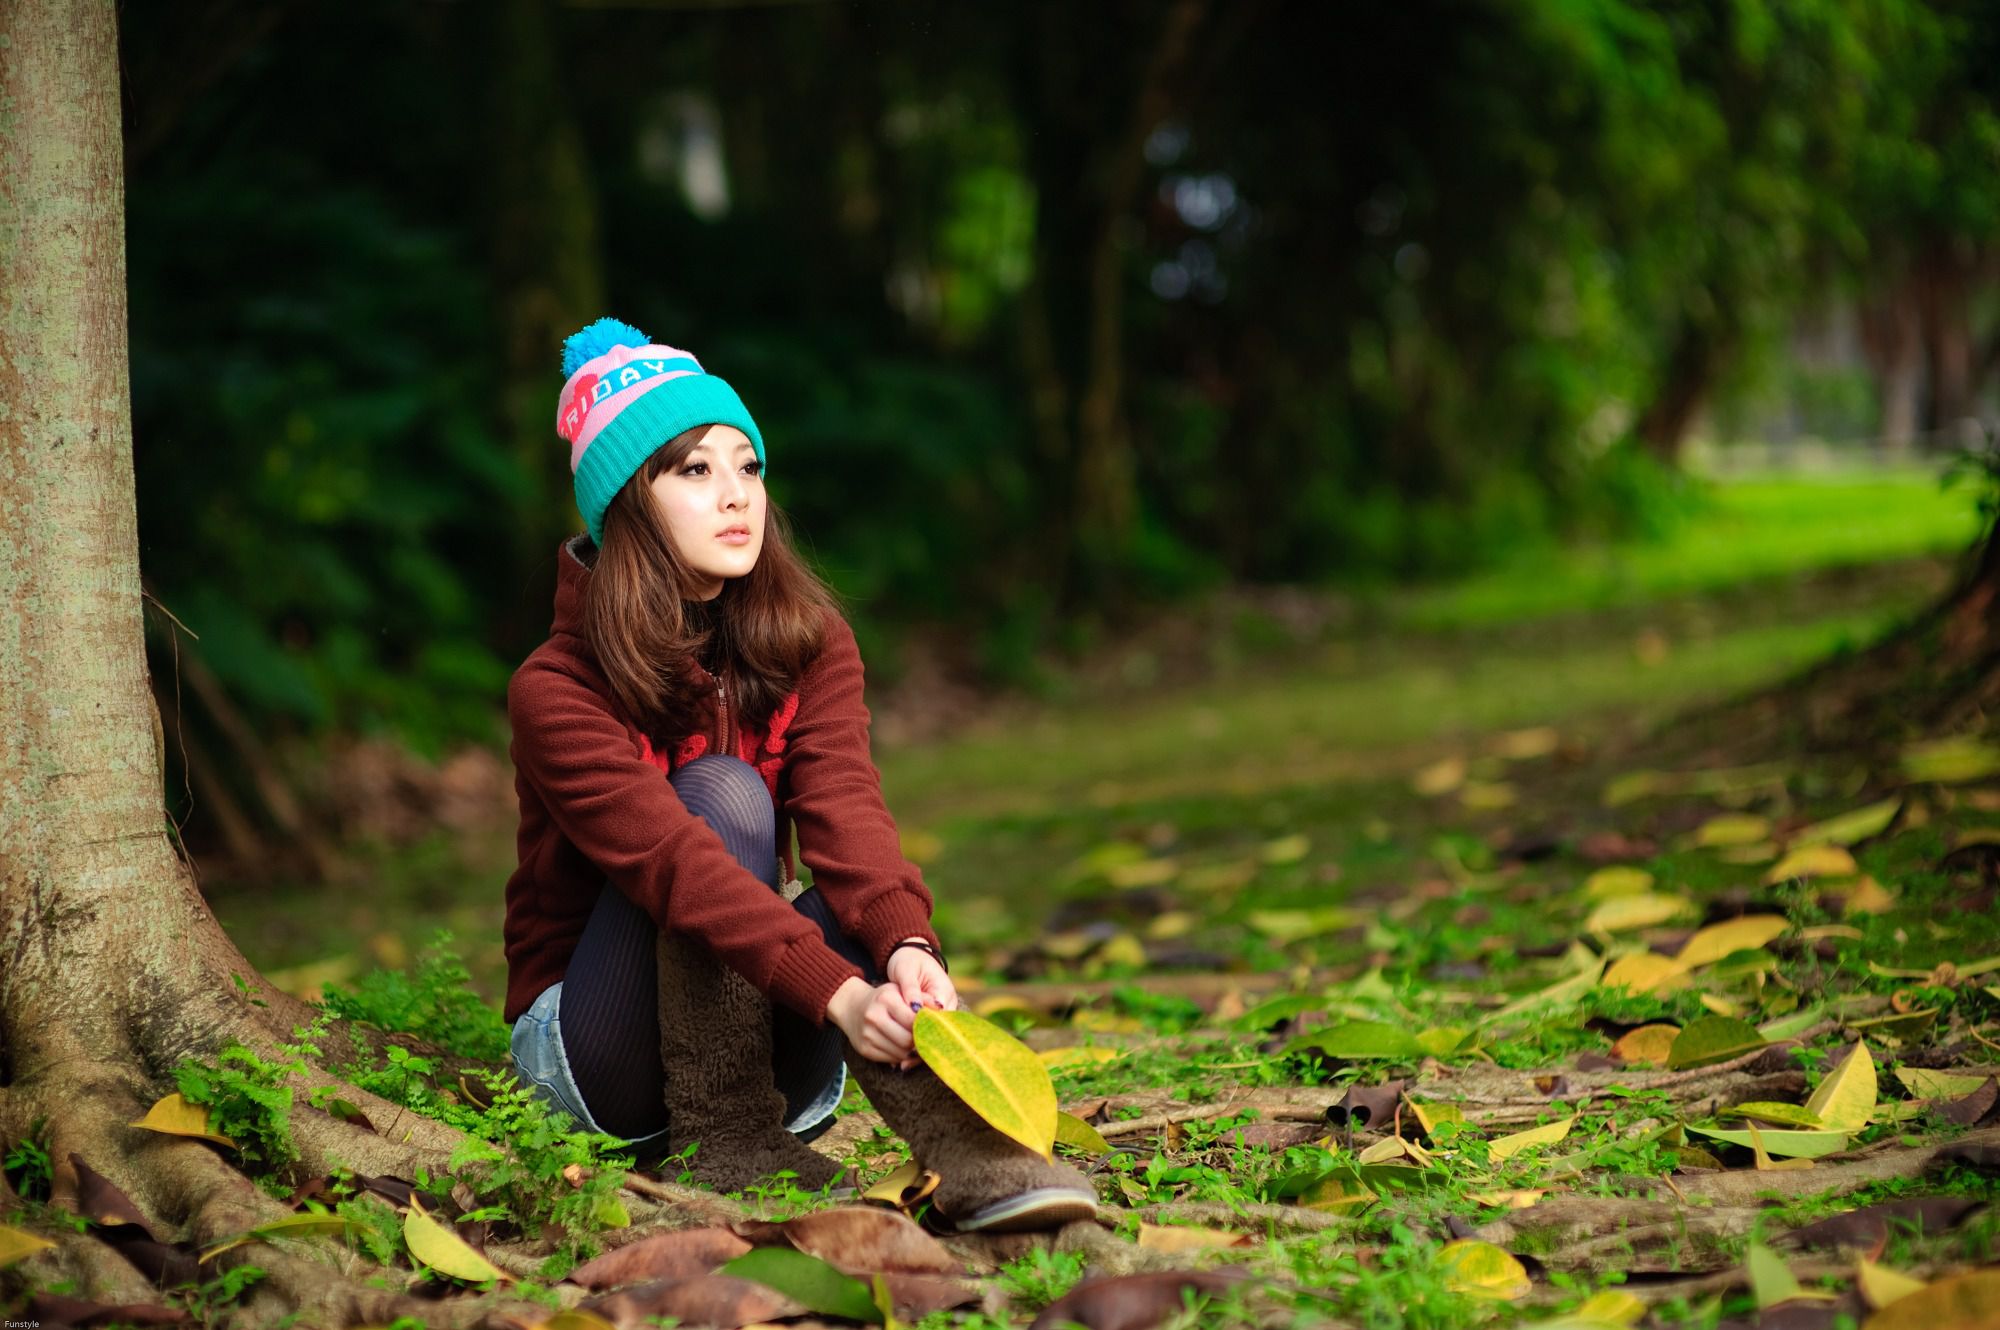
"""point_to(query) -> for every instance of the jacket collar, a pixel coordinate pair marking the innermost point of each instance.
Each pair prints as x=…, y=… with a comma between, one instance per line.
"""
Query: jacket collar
x=571, y=576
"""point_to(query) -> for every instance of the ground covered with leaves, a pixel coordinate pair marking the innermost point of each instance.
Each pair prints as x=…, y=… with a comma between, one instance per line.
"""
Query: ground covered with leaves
x=1534, y=1026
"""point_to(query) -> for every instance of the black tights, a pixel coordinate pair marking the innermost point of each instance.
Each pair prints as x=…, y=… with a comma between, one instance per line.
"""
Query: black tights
x=610, y=997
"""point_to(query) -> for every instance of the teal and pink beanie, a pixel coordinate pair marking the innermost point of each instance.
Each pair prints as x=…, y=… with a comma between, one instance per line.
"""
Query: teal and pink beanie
x=625, y=397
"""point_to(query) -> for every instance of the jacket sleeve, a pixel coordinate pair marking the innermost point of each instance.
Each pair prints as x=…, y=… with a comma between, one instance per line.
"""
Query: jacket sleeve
x=833, y=794
x=622, y=815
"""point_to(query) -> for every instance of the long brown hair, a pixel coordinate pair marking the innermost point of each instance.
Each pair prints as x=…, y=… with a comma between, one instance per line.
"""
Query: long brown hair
x=767, y=622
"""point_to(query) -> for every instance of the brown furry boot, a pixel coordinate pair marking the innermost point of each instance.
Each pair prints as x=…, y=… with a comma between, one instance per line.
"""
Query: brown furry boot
x=986, y=1181
x=715, y=1046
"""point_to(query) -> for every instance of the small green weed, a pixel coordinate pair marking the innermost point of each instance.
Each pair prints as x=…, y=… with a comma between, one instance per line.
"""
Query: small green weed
x=1040, y=1277
x=434, y=1001
x=27, y=1165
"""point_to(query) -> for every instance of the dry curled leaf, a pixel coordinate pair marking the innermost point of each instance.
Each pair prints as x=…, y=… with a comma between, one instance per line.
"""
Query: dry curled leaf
x=860, y=1240
x=718, y=1300
x=1129, y=1302
x=1180, y=1238
x=175, y=1116
x=691, y=1251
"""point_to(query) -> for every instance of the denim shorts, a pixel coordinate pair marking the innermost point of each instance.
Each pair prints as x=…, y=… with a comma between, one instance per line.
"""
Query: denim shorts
x=540, y=1062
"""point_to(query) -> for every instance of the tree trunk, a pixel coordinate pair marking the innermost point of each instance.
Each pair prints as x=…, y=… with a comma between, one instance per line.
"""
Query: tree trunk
x=1948, y=277
x=1892, y=341
x=112, y=969
x=1664, y=425
x=548, y=272
x=1073, y=324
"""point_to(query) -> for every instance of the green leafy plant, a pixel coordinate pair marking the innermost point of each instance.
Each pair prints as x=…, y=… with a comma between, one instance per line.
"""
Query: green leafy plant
x=1040, y=1277
x=433, y=1000
x=28, y=1167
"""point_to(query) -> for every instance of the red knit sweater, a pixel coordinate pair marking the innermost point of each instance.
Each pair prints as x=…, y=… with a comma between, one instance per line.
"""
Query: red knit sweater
x=595, y=803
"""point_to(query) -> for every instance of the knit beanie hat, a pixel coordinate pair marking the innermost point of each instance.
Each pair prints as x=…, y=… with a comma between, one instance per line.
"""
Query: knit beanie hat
x=625, y=397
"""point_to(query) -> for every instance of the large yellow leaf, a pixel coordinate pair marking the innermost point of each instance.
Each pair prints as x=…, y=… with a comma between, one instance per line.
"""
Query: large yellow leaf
x=1924, y=1084
x=1617, y=880
x=1506, y=1147
x=1483, y=1270
x=1285, y=850
x=1711, y=944
x=444, y=1251
x=1143, y=873
x=1771, y=1280
x=1440, y=777
x=175, y=1116
x=1969, y=1302
x=1184, y=1238
x=1851, y=828
x=1881, y=1286
x=1648, y=1043
x=1644, y=910
x=1285, y=926
x=1813, y=861
x=292, y=1226
x=16, y=1245
x=993, y=1072
x=1524, y=745
x=1713, y=1039
x=1077, y=1056
x=1611, y=1306
x=1951, y=761
x=1483, y=796
x=1644, y=972
x=1074, y=1132
x=1732, y=829
x=1783, y=1144
x=1845, y=1100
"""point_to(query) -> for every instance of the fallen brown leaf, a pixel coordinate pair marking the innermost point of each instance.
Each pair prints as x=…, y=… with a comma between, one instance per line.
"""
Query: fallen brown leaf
x=858, y=1240
x=718, y=1300
x=1128, y=1302
x=691, y=1251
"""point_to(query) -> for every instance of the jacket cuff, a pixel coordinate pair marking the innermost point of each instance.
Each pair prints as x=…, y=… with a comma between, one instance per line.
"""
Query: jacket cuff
x=892, y=919
x=808, y=975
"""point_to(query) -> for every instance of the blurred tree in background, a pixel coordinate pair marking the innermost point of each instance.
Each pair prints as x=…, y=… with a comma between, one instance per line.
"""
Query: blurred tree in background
x=1049, y=311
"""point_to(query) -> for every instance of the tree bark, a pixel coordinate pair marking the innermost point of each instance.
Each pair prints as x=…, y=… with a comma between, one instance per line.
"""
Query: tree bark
x=549, y=275
x=112, y=969
x=1892, y=341
x=1073, y=326
x=1664, y=425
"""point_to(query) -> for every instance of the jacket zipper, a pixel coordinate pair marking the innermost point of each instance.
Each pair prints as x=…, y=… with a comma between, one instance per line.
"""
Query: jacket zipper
x=722, y=744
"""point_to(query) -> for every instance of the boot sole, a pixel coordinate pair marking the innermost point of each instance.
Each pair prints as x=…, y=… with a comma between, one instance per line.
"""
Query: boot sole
x=1044, y=1207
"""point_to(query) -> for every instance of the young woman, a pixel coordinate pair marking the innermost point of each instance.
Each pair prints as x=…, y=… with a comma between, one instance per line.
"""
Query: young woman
x=698, y=700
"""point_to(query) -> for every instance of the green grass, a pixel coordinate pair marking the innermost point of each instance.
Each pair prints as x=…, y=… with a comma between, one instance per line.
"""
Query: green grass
x=1285, y=786
x=1742, y=530
x=1319, y=736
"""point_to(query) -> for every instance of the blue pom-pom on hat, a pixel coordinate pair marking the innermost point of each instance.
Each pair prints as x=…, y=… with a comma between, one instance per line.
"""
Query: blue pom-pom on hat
x=580, y=348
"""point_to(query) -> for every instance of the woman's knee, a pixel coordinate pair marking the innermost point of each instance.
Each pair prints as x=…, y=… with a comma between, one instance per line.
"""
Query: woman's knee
x=728, y=794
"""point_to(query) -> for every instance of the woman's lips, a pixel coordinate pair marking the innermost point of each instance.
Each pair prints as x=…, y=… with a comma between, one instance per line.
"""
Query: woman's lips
x=736, y=535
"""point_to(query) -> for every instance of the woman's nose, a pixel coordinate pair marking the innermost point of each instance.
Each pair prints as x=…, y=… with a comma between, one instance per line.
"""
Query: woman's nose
x=733, y=490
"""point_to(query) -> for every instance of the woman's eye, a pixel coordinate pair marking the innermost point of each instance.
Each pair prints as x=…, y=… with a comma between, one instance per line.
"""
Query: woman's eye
x=754, y=468
x=694, y=468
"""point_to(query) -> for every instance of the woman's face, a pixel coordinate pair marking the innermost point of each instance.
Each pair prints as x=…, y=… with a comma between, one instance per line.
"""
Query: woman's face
x=712, y=501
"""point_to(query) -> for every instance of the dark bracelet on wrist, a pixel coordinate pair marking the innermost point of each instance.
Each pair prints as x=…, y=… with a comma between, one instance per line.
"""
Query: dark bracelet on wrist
x=925, y=947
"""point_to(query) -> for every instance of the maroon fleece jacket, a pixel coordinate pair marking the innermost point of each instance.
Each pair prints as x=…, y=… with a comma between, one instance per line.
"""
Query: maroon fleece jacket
x=595, y=804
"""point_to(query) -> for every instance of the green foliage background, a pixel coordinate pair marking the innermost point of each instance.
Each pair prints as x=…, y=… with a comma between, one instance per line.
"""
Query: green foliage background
x=1390, y=291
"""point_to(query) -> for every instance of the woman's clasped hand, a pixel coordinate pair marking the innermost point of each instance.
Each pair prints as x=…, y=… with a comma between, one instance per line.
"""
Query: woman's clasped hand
x=880, y=1020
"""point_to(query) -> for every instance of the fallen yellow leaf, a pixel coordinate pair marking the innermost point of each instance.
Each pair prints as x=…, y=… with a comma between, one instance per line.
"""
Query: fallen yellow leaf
x=1179, y=1238
x=1813, y=861
x=175, y=1116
